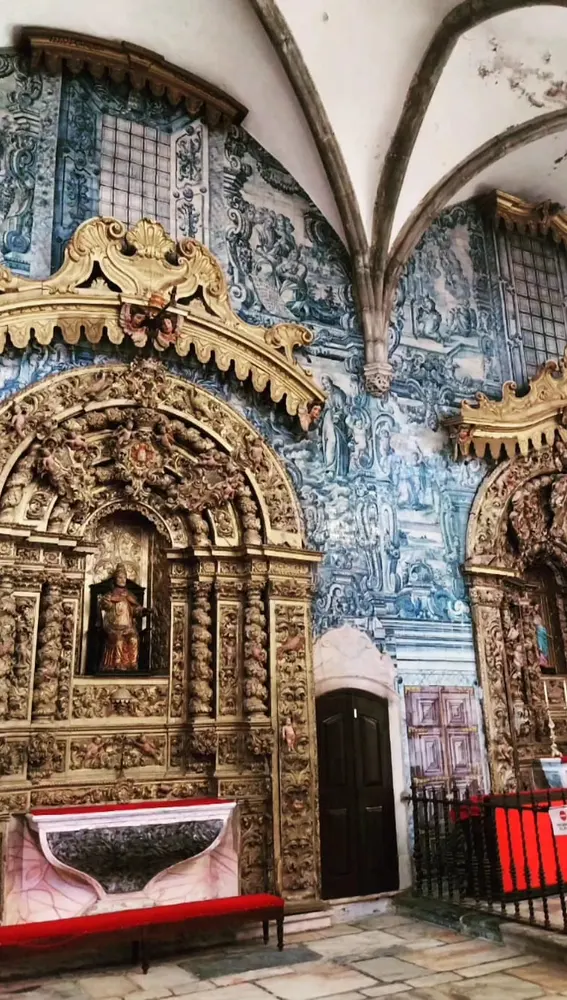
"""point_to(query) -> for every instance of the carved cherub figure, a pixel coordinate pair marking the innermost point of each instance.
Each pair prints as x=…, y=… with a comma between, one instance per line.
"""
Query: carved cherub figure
x=18, y=421
x=165, y=435
x=288, y=734
x=125, y=433
x=77, y=442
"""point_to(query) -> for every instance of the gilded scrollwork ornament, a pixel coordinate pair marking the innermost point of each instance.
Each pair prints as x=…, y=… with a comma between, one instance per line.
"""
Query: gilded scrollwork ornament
x=296, y=764
x=260, y=742
x=45, y=756
x=136, y=701
x=167, y=295
x=179, y=656
x=13, y=755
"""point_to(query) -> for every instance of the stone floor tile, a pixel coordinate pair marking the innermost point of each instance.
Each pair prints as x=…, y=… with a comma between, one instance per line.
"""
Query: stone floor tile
x=167, y=976
x=415, y=930
x=104, y=986
x=337, y=930
x=346, y=996
x=62, y=989
x=389, y=969
x=423, y=944
x=450, y=957
x=435, y=979
x=363, y=945
x=383, y=922
x=500, y=986
x=325, y=981
x=244, y=991
x=219, y=965
x=158, y=993
x=502, y=965
x=550, y=977
x=199, y=986
x=388, y=990
x=255, y=974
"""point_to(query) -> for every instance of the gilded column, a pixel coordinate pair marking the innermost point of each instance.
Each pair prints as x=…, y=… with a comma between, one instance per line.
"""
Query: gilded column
x=297, y=847
x=486, y=601
x=26, y=621
x=200, y=673
x=229, y=647
x=68, y=628
x=7, y=639
x=255, y=655
x=49, y=650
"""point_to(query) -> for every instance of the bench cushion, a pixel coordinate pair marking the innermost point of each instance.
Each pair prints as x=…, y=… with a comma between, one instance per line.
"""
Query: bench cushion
x=261, y=905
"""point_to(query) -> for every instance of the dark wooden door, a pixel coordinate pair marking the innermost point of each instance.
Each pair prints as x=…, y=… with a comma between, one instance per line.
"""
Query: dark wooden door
x=356, y=800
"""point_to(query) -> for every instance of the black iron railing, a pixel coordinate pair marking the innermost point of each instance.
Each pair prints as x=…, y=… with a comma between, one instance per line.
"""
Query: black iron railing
x=498, y=853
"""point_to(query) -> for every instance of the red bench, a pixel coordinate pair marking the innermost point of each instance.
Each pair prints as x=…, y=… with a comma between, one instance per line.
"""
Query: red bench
x=233, y=909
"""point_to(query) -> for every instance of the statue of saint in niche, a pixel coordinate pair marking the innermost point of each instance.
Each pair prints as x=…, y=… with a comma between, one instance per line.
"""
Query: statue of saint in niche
x=120, y=615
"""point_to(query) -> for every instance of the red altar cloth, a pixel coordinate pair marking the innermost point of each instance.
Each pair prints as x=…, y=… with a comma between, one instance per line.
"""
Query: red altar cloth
x=518, y=831
x=520, y=822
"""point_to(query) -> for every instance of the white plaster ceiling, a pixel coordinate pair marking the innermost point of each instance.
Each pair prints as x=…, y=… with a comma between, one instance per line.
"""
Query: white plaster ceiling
x=536, y=172
x=361, y=56
x=221, y=41
x=505, y=71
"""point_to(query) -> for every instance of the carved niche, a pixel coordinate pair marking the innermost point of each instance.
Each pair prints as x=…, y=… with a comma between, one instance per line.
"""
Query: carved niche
x=517, y=571
x=95, y=447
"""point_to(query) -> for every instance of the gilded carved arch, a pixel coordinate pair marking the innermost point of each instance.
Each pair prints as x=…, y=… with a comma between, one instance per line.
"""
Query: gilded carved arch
x=517, y=532
x=233, y=640
x=69, y=446
x=141, y=286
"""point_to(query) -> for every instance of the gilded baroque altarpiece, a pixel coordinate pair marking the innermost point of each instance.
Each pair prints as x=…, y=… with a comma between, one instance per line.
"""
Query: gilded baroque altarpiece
x=516, y=567
x=226, y=707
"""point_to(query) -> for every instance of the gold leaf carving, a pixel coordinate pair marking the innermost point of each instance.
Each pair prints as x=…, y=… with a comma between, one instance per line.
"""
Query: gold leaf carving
x=515, y=423
x=162, y=287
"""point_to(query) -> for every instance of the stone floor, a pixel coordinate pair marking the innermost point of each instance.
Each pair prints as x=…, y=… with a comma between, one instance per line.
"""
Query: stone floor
x=380, y=956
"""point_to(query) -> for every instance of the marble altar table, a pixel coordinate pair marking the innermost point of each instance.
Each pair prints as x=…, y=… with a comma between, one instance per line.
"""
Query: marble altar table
x=70, y=862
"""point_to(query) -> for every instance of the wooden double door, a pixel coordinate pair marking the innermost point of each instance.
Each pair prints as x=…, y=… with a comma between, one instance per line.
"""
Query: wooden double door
x=356, y=800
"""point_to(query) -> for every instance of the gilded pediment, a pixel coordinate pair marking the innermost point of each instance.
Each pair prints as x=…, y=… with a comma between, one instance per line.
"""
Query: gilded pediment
x=519, y=422
x=141, y=285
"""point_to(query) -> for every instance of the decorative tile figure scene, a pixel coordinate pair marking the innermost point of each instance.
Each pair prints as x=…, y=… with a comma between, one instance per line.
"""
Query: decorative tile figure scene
x=381, y=495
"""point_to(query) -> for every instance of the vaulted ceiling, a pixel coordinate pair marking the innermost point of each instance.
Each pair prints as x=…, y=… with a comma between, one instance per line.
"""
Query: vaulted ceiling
x=384, y=110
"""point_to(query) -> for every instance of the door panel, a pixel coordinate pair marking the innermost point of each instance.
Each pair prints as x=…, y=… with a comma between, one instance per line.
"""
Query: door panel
x=444, y=745
x=358, y=831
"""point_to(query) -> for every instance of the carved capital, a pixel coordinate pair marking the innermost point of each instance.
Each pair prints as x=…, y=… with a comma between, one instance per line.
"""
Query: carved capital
x=378, y=377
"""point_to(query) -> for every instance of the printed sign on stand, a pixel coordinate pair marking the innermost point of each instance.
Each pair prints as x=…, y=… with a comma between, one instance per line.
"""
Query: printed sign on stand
x=558, y=817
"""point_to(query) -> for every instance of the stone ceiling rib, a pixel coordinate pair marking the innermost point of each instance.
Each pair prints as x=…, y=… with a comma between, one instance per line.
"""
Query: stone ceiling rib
x=429, y=208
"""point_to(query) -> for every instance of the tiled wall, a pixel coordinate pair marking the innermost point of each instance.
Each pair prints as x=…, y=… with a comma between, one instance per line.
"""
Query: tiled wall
x=380, y=492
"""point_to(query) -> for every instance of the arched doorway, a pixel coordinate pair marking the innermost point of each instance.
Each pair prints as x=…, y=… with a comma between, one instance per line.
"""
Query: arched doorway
x=356, y=797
